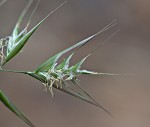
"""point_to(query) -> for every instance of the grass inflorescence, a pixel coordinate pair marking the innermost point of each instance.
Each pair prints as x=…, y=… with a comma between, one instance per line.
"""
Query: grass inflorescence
x=61, y=76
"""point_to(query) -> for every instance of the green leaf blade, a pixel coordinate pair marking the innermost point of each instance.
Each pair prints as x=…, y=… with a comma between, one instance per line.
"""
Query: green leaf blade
x=14, y=109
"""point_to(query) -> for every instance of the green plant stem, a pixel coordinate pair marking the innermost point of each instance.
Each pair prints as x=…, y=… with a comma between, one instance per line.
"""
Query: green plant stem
x=14, y=71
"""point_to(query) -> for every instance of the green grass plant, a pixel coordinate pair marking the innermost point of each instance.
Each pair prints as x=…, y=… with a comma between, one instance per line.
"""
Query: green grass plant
x=61, y=76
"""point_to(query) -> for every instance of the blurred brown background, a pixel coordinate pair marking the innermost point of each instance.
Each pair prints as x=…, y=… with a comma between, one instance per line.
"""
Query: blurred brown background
x=127, y=97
